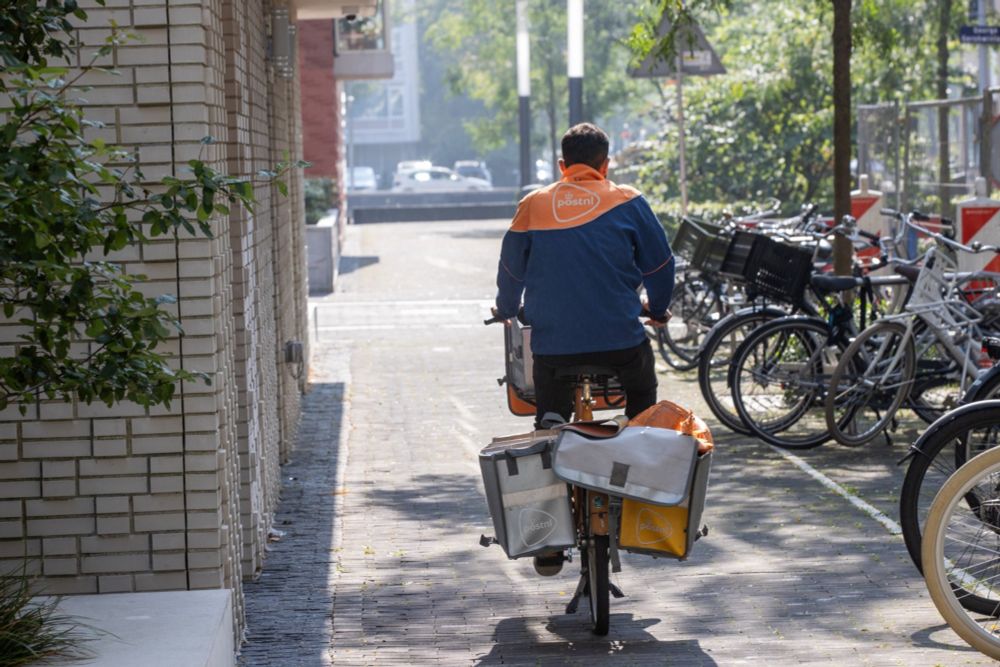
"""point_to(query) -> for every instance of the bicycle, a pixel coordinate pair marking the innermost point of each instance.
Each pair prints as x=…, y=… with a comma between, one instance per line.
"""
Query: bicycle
x=879, y=369
x=590, y=510
x=961, y=543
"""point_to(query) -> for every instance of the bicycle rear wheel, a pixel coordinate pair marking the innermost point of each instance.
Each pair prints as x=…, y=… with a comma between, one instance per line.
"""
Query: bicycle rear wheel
x=871, y=381
x=960, y=547
x=598, y=584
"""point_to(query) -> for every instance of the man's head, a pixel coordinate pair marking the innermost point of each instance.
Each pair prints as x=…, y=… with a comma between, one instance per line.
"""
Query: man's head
x=585, y=144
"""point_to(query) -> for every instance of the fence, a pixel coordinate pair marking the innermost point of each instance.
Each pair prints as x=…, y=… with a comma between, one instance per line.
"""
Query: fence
x=901, y=147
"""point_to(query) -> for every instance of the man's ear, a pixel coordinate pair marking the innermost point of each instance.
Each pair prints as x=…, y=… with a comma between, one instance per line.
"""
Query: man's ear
x=604, y=167
x=562, y=166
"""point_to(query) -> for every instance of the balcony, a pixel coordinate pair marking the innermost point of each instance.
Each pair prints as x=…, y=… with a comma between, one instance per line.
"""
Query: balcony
x=306, y=10
x=361, y=47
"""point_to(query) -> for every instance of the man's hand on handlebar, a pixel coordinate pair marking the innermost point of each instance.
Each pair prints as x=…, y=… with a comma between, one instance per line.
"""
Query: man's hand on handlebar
x=651, y=320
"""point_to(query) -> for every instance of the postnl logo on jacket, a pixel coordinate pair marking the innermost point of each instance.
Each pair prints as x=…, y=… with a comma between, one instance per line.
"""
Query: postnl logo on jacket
x=536, y=526
x=570, y=202
x=652, y=527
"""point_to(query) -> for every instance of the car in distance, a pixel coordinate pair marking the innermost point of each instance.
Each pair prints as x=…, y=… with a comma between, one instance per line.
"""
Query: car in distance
x=473, y=169
x=436, y=179
x=361, y=179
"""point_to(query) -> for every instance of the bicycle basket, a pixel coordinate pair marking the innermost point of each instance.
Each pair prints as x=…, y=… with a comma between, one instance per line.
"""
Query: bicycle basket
x=778, y=271
x=700, y=243
x=740, y=247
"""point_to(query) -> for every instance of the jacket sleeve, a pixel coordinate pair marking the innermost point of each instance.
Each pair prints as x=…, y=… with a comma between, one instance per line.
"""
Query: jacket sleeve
x=510, y=272
x=513, y=264
x=654, y=259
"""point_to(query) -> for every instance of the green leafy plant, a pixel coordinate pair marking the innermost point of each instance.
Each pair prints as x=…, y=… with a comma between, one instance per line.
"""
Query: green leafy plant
x=32, y=628
x=67, y=204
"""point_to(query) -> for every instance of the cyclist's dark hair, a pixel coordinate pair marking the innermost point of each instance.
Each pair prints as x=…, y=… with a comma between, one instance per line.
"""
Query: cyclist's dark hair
x=585, y=144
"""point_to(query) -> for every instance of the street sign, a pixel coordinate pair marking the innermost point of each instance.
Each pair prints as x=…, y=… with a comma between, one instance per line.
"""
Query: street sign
x=698, y=58
x=979, y=34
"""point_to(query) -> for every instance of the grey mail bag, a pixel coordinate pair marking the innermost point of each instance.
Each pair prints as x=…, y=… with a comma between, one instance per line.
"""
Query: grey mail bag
x=529, y=505
x=646, y=463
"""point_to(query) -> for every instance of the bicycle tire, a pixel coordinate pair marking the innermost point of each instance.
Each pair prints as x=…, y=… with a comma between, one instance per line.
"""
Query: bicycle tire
x=802, y=336
x=598, y=584
x=858, y=394
x=698, y=311
x=942, y=449
x=941, y=572
x=986, y=387
x=715, y=358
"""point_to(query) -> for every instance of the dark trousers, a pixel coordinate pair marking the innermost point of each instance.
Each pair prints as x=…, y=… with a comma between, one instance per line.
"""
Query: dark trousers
x=634, y=366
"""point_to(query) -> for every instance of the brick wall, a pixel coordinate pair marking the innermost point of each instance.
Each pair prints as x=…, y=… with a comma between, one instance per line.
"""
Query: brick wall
x=134, y=499
x=320, y=101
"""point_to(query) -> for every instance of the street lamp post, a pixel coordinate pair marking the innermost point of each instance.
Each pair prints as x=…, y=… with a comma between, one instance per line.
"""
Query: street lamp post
x=574, y=59
x=524, y=90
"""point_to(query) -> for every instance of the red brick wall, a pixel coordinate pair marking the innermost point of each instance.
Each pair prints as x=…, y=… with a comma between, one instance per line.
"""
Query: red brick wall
x=320, y=102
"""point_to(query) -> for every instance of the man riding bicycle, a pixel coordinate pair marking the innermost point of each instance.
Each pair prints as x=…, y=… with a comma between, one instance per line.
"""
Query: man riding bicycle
x=579, y=250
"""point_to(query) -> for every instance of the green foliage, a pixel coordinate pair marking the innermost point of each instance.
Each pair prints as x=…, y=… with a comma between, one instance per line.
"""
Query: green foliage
x=476, y=40
x=67, y=204
x=32, y=629
x=319, y=198
x=764, y=129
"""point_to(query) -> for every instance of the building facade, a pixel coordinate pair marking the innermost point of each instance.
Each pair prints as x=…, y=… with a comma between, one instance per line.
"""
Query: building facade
x=126, y=498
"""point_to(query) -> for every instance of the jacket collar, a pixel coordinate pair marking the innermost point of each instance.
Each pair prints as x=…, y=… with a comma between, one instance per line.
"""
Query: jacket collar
x=580, y=172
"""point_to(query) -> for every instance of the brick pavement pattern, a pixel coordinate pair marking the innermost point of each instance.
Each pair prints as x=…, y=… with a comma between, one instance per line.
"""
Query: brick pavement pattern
x=382, y=508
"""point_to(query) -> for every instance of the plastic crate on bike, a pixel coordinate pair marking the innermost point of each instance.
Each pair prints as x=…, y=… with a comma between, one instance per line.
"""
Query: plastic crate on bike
x=779, y=271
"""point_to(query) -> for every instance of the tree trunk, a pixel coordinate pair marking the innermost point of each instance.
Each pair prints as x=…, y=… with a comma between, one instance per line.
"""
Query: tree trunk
x=842, y=248
x=944, y=171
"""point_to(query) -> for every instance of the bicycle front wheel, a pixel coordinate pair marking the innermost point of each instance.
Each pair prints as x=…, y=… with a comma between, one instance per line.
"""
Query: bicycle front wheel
x=960, y=547
x=943, y=448
x=598, y=584
x=871, y=381
x=779, y=381
x=716, y=355
x=696, y=307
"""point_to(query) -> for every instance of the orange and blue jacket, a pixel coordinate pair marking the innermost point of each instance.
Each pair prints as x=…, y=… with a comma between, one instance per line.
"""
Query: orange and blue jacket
x=579, y=250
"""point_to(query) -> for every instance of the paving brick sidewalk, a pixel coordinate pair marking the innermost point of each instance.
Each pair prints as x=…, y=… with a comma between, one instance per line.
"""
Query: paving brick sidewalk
x=382, y=508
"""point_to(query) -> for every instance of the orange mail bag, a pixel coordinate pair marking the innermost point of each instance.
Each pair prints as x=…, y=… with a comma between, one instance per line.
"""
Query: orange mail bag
x=669, y=531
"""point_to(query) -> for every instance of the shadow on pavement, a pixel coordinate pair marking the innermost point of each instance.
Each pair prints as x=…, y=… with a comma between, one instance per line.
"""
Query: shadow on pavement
x=351, y=263
x=627, y=643
x=288, y=606
x=926, y=639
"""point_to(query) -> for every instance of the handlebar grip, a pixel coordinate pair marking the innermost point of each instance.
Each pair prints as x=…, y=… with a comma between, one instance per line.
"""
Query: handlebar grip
x=648, y=315
x=493, y=320
x=890, y=212
x=868, y=235
x=920, y=217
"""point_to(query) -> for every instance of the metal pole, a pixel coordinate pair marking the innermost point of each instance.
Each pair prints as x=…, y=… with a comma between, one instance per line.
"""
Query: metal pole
x=680, y=136
x=574, y=59
x=984, y=54
x=524, y=91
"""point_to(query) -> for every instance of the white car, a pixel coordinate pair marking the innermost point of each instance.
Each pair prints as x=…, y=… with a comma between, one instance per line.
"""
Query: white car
x=436, y=179
x=361, y=178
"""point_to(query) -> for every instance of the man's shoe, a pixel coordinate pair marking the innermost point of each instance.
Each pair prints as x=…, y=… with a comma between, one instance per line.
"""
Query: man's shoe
x=550, y=564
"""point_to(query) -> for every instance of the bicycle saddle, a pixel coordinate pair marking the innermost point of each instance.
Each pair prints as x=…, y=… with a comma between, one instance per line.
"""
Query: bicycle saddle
x=825, y=283
x=574, y=372
x=907, y=271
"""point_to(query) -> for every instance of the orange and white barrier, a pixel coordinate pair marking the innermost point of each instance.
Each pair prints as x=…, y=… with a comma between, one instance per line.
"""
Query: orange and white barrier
x=979, y=220
x=865, y=208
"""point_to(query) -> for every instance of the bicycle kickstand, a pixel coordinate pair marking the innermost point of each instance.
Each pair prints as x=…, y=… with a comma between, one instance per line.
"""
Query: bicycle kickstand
x=582, y=588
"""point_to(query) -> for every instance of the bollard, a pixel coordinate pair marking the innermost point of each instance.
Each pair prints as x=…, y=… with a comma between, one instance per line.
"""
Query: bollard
x=979, y=220
x=865, y=208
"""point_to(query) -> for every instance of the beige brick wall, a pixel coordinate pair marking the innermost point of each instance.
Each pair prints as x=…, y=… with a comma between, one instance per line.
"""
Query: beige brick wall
x=129, y=499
